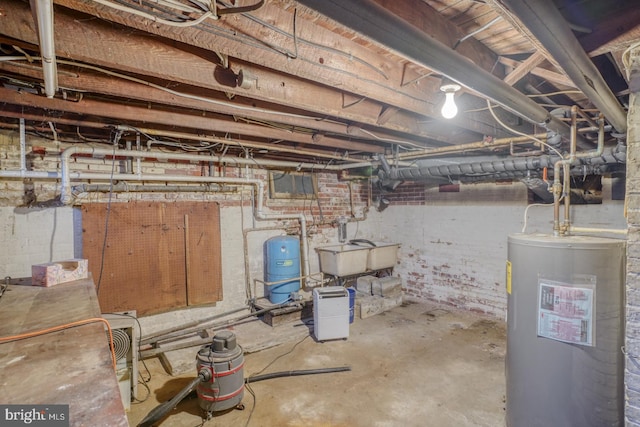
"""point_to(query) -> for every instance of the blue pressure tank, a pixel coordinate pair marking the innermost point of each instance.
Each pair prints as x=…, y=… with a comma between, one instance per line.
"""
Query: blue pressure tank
x=282, y=262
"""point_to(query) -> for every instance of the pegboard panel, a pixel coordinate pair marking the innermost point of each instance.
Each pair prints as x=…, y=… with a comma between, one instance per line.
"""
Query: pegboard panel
x=157, y=257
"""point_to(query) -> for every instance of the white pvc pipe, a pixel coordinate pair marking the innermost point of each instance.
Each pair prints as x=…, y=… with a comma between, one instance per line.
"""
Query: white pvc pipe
x=23, y=147
x=44, y=17
x=66, y=196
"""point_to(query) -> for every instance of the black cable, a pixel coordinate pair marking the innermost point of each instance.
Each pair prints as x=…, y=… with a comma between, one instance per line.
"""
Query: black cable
x=106, y=221
x=277, y=358
x=144, y=380
x=255, y=401
x=241, y=9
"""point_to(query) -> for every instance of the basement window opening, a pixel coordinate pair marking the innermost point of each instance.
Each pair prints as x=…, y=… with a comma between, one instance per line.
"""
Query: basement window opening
x=292, y=185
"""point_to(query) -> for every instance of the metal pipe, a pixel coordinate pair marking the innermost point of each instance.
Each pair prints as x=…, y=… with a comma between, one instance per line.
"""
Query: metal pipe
x=566, y=163
x=141, y=188
x=244, y=144
x=478, y=145
x=381, y=26
x=547, y=24
x=66, y=196
x=598, y=230
x=163, y=333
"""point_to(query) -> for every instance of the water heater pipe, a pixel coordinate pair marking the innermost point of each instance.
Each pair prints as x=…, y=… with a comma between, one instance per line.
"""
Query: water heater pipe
x=565, y=188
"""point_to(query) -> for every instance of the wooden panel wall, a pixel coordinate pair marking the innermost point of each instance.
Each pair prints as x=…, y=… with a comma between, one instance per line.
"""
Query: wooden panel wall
x=158, y=256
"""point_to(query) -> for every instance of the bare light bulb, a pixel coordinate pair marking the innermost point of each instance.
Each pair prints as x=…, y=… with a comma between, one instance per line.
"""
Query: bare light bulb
x=449, y=109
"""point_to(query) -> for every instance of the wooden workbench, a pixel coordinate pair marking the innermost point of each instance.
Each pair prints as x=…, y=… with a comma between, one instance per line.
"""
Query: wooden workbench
x=70, y=367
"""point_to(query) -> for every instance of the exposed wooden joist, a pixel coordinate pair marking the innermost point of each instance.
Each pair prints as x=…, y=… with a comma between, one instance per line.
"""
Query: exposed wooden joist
x=516, y=23
x=524, y=68
x=86, y=81
x=136, y=53
x=386, y=114
x=128, y=113
x=551, y=76
x=425, y=18
x=42, y=117
x=377, y=77
x=316, y=53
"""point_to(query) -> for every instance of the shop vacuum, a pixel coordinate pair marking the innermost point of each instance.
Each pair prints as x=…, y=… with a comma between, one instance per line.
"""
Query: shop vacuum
x=220, y=381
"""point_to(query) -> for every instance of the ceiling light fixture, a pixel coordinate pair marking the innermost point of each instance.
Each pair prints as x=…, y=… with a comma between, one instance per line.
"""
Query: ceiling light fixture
x=449, y=109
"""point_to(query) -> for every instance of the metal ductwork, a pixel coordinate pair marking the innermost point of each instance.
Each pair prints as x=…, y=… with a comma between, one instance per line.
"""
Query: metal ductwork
x=490, y=168
x=546, y=23
x=381, y=26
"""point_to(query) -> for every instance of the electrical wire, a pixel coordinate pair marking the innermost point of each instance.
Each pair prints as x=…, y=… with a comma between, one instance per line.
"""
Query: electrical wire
x=203, y=99
x=524, y=227
x=142, y=380
x=154, y=18
x=559, y=92
x=173, y=92
x=248, y=379
x=539, y=141
x=106, y=220
x=63, y=327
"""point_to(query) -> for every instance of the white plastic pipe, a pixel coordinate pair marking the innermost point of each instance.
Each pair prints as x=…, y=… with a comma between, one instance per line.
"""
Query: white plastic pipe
x=44, y=21
x=66, y=196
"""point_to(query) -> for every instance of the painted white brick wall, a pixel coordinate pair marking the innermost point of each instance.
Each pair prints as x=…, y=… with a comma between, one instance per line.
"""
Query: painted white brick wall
x=34, y=236
x=632, y=336
x=454, y=249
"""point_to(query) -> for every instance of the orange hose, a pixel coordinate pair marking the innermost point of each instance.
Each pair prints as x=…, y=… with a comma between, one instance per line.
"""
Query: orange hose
x=62, y=327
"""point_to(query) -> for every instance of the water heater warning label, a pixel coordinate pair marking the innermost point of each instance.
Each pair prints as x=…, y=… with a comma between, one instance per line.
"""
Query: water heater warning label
x=565, y=313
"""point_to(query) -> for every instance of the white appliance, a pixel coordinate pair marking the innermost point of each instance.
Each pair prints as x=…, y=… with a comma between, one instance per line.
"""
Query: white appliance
x=125, y=345
x=330, y=313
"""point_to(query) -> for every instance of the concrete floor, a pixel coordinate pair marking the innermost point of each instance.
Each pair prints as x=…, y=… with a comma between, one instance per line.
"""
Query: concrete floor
x=416, y=365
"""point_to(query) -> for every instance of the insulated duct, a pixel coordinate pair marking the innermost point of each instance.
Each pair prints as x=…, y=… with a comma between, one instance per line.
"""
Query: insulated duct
x=488, y=168
x=547, y=24
x=381, y=26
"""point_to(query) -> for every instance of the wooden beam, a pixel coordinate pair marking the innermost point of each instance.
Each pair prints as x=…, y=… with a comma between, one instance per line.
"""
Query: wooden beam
x=129, y=114
x=43, y=117
x=386, y=114
x=323, y=56
x=315, y=53
x=524, y=68
x=428, y=20
x=132, y=52
x=551, y=76
x=87, y=81
x=524, y=32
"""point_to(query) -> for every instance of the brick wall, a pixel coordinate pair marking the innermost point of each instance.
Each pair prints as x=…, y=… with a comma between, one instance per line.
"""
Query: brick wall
x=34, y=228
x=454, y=245
x=632, y=339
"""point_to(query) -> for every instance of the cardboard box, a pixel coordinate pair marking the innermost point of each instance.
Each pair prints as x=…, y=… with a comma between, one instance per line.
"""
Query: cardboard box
x=53, y=273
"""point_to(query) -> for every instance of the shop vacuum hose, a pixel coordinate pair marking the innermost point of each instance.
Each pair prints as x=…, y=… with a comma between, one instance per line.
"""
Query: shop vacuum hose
x=163, y=409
